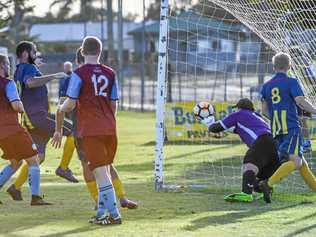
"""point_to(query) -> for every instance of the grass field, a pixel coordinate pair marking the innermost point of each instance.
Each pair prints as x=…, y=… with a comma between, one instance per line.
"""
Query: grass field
x=159, y=214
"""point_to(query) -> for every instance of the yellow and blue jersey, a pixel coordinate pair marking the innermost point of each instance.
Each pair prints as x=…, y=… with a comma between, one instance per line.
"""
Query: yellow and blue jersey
x=279, y=93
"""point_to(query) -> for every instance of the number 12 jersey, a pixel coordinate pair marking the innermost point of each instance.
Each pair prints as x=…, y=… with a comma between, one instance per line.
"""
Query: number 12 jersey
x=94, y=86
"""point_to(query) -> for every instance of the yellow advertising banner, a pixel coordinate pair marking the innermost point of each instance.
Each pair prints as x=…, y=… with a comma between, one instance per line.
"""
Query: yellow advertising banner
x=182, y=126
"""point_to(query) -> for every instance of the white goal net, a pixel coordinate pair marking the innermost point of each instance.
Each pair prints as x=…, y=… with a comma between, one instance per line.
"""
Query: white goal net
x=220, y=51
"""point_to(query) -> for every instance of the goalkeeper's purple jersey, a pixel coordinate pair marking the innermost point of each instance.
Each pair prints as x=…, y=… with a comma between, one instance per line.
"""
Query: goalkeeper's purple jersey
x=248, y=125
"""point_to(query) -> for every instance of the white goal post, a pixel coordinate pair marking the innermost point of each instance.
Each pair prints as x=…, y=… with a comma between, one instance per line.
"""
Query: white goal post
x=161, y=94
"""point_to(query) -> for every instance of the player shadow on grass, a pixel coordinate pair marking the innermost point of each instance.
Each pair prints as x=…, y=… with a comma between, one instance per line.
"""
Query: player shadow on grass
x=73, y=205
x=209, y=150
x=153, y=206
x=237, y=213
x=300, y=231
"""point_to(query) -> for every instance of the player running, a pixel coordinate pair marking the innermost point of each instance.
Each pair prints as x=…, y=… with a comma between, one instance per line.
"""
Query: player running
x=39, y=123
x=15, y=142
x=93, y=88
x=87, y=173
x=280, y=97
x=261, y=159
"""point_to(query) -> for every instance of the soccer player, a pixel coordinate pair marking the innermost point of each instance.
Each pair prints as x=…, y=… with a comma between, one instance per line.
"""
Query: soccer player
x=15, y=142
x=69, y=146
x=280, y=97
x=93, y=88
x=261, y=159
x=87, y=174
x=39, y=123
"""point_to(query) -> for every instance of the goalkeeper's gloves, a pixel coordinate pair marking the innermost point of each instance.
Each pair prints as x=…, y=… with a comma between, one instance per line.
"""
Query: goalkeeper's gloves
x=208, y=121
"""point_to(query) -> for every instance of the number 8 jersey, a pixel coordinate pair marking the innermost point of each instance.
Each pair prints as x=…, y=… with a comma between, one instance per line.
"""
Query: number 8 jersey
x=94, y=86
x=279, y=94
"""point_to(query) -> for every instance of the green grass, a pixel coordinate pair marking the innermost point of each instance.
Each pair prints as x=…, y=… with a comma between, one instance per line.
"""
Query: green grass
x=159, y=214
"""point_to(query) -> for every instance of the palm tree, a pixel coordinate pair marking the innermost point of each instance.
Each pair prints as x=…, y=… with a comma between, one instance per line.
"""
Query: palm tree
x=14, y=20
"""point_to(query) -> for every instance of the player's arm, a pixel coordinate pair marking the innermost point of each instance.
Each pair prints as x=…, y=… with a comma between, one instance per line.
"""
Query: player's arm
x=114, y=104
x=38, y=81
x=264, y=109
x=300, y=99
x=72, y=94
x=114, y=97
x=227, y=124
x=68, y=105
x=304, y=104
x=14, y=98
x=264, y=104
x=17, y=106
x=58, y=134
x=216, y=127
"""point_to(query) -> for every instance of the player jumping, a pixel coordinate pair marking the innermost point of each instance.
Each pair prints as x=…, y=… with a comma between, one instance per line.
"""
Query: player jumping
x=280, y=97
x=261, y=159
x=15, y=142
x=93, y=88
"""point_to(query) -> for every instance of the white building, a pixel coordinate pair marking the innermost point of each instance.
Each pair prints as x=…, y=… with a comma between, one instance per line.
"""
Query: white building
x=75, y=32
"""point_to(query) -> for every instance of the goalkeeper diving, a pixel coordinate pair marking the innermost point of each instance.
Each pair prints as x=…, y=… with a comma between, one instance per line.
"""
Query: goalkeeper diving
x=261, y=159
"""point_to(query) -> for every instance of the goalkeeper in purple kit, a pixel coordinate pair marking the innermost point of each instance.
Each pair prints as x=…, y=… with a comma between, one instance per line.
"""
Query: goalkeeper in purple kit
x=261, y=159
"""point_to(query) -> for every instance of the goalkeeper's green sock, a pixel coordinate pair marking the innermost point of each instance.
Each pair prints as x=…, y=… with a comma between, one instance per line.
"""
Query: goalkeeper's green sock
x=283, y=171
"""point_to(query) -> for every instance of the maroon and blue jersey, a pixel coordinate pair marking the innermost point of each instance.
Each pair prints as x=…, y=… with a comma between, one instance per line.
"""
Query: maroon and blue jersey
x=35, y=100
x=279, y=93
x=94, y=86
x=9, y=123
x=247, y=124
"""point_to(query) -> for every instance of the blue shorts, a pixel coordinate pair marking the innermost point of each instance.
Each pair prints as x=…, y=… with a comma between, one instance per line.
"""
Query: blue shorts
x=290, y=143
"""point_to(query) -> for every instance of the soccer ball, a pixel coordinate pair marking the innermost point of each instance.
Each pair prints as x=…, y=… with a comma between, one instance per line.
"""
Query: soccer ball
x=203, y=110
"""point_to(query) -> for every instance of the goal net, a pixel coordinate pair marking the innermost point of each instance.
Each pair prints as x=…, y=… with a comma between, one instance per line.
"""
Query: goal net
x=221, y=51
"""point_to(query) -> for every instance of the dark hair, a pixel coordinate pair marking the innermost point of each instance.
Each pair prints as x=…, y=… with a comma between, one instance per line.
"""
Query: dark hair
x=24, y=46
x=79, y=56
x=245, y=103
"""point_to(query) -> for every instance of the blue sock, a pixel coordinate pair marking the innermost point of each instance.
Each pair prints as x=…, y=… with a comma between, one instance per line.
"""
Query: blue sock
x=107, y=201
x=6, y=174
x=34, y=180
